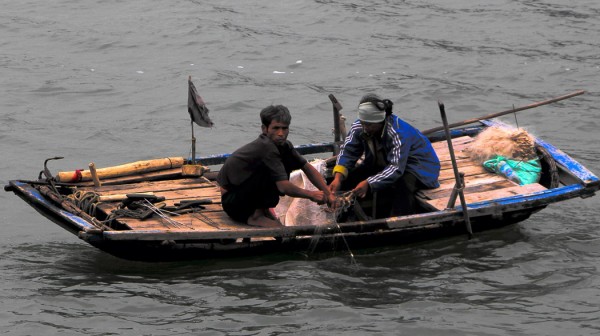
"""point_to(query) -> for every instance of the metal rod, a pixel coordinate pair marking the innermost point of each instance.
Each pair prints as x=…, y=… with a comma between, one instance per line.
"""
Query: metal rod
x=459, y=183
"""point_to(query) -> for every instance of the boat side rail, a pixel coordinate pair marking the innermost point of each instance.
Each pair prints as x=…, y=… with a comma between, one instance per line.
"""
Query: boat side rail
x=218, y=159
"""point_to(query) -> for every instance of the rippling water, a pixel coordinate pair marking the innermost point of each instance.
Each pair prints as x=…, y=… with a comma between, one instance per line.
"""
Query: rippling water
x=107, y=82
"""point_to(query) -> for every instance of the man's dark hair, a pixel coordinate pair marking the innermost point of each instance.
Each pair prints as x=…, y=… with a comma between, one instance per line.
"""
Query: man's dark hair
x=275, y=112
x=382, y=104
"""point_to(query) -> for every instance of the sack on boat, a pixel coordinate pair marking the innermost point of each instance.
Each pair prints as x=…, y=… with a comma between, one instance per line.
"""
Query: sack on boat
x=299, y=211
x=521, y=172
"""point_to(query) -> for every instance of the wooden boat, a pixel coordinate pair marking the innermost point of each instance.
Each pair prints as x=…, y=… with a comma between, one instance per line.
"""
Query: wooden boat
x=198, y=228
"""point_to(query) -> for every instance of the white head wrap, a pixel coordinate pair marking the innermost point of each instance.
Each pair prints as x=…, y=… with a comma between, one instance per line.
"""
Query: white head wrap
x=368, y=112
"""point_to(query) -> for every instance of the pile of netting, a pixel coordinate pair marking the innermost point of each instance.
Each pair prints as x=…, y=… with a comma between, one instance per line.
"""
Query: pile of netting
x=299, y=211
x=509, y=152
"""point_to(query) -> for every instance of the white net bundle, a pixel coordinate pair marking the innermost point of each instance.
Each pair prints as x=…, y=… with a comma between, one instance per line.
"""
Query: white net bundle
x=299, y=211
x=514, y=143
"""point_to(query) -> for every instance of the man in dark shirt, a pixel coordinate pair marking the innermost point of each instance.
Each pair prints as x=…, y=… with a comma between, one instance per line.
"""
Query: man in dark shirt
x=257, y=174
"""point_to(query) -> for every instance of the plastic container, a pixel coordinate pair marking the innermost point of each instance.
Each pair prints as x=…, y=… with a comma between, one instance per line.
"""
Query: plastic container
x=504, y=169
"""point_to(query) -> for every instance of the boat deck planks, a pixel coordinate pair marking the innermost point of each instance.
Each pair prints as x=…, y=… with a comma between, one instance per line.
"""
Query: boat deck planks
x=480, y=185
x=202, y=221
x=210, y=218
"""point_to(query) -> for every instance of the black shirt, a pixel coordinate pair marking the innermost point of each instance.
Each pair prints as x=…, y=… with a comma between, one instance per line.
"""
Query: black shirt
x=262, y=155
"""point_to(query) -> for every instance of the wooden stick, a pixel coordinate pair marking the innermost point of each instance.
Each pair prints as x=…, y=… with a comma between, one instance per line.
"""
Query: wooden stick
x=498, y=114
x=336, y=123
x=94, y=175
x=336, y=117
x=459, y=185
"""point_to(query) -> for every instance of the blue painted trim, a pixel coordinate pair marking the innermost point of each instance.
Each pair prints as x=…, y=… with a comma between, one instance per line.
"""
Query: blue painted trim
x=302, y=149
x=569, y=163
x=34, y=195
x=454, y=133
x=211, y=159
x=542, y=198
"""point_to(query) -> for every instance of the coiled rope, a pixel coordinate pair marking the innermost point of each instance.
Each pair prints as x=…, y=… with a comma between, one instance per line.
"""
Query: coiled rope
x=87, y=201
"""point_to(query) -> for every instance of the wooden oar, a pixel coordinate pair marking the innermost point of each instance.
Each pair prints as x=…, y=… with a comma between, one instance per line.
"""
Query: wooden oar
x=498, y=114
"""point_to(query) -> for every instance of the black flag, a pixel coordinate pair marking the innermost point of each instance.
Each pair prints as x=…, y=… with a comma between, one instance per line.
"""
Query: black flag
x=196, y=107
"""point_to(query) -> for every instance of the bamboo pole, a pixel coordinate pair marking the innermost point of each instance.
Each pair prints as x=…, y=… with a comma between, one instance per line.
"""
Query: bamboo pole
x=121, y=170
x=459, y=182
x=513, y=110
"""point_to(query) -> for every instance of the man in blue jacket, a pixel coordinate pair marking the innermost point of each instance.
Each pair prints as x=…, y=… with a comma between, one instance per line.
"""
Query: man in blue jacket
x=398, y=159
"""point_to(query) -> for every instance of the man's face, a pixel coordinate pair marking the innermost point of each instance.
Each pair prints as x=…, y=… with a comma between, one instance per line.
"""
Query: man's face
x=277, y=132
x=372, y=129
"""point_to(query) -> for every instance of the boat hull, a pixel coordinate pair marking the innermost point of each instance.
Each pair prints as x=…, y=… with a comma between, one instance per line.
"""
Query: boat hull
x=325, y=239
x=319, y=243
x=157, y=243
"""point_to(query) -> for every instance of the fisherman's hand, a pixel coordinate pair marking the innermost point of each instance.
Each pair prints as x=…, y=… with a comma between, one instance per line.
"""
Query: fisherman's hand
x=332, y=201
x=318, y=197
x=336, y=184
x=361, y=189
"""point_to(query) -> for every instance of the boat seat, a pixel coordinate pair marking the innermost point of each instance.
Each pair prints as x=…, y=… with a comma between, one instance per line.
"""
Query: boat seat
x=480, y=185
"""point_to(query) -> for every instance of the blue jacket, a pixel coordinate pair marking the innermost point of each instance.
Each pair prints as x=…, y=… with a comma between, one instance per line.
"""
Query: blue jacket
x=406, y=150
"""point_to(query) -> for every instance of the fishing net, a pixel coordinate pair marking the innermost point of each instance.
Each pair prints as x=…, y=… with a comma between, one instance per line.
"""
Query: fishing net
x=513, y=143
x=509, y=152
x=299, y=211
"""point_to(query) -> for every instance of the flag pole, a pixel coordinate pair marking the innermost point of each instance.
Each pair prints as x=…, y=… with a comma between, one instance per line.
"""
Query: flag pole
x=193, y=137
x=192, y=168
x=193, y=144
